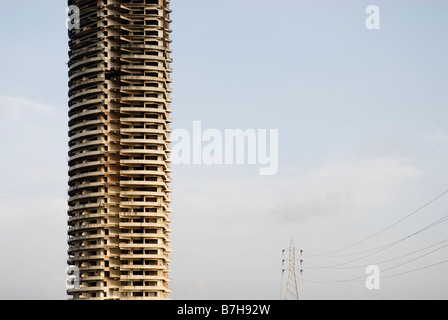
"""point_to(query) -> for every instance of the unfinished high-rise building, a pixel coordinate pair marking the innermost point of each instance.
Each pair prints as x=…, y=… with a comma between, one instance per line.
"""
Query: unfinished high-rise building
x=119, y=149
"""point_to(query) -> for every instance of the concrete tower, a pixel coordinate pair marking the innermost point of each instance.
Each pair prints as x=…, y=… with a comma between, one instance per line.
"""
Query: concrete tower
x=119, y=149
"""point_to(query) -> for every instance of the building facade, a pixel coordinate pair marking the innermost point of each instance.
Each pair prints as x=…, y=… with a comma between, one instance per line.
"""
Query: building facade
x=119, y=149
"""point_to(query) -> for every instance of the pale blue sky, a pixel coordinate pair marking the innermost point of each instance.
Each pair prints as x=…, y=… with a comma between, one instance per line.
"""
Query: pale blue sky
x=359, y=112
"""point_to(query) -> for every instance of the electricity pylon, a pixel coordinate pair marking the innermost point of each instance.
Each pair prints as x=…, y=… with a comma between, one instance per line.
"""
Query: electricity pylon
x=291, y=291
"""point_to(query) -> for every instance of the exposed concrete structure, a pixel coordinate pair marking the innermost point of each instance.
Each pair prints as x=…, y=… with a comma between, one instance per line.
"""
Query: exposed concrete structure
x=119, y=128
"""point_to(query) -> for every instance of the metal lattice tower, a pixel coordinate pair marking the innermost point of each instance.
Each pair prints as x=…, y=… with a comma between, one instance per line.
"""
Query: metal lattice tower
x=291, y=291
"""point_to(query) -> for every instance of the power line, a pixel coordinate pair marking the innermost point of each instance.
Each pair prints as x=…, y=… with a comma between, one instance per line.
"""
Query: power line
x=426, y=267
x=384, y=247
x=377, y=263
x=389, y=276
x=391, y=268
x=383, y=230
x=387, y=186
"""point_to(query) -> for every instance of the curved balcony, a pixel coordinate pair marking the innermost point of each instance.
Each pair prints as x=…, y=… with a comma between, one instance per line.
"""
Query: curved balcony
x=131, y=110
x=148, y=152
x=145, y=289
x=78, y=248
x=154, y=194
x=85, y=237
x=85, y=216
x=126, y=47
x=86, y=165
x=130, y=215
x=143, y=78
x=88, y=133
x=85, y=94
x=87, y=186
x=144, y=162
x=86, y=113
x=86, y=227
x=80, y=84
x=75, y=64
x=130, y=121
x=83, y=155
x=143, y=267
x=89, y=123
x=129, y=235
x=86, y=145
x=130, y=173
x=87, y=71
x=85, y=103
x=84, y=36
x=87, y=196
x=139, y=204
x=142, y=130
x=131, y=89
x=83, y=176
x=82, y=207
x=130, y=184
x=85, y=258
x=143, y=99
x=75, y=54
x=154, y=225
x=127, y=246
x=143, y=277
x=136, y=56
x=133, y=256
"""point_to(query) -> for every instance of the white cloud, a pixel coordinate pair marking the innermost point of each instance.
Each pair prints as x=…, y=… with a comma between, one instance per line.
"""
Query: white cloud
x=344, y=187
x=24, y=121
x=33, y=180
x=239, y=220
x=33, y=234
x=295, y=194
x=17, y=104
